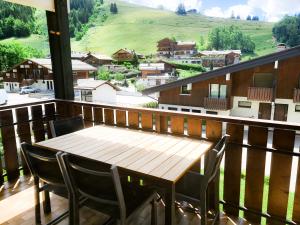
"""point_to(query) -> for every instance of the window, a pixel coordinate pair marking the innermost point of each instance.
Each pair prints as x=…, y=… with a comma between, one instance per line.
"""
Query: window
x=172, y=108
x=196, y=111
x=212, y=112
x=244, y=104
x=263, y=80
x=218, y=91
x=214, y=90
x=185, y=110
x=186, y=89
x=297, y=108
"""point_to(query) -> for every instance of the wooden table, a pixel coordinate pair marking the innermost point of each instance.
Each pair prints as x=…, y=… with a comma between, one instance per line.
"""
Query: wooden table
x=162, y=158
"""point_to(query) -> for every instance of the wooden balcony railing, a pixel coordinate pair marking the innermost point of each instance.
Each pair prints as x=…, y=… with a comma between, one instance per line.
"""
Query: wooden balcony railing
x=216, y=103
x=297, y=95
x=265, y=190
x=260, y=94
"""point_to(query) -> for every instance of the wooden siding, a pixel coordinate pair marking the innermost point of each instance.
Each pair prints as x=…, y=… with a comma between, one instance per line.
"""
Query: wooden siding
x=260, y=94
x=216, y=103
x=200, y=91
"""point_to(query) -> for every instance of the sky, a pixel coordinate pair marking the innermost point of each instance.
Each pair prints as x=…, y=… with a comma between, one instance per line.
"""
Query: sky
x=268, y=10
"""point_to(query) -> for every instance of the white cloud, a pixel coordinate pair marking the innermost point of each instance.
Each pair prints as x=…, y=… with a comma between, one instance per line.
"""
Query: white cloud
x=270, y=10
x=169, y=4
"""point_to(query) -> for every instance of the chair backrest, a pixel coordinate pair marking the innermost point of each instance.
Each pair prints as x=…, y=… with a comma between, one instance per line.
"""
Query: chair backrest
x=214, y=159
x=89, y=178
x=43, y=164
x=66, y=126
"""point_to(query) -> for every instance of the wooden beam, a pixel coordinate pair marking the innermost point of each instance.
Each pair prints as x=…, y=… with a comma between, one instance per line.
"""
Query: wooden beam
x=60, y=49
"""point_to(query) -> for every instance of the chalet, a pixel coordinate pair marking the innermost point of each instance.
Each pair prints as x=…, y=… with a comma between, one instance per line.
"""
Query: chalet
x=38, y=72
x=96, y=91
x=265, y=88
x=126, y=55
x=151, y=69
x=175, y=49
x=219, y=58
x=97, y=60
x=78, y=55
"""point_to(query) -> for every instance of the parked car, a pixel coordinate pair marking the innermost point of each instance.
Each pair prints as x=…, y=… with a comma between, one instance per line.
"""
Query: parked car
x=3, y=97
x=28, y=89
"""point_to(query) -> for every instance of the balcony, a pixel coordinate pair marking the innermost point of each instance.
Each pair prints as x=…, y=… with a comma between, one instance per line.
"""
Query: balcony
x=260, y=94
x=296, y=95
x=265, y=196
x=216, y=103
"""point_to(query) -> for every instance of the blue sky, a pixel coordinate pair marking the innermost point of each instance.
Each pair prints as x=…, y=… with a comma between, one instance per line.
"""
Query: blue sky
x=268, y=10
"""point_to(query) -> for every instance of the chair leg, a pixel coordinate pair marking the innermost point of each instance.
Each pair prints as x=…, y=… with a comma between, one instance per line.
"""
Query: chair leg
x=203, y=208
x=74, y=211
x=46, y=202
x=37, y=201
x=154, y=216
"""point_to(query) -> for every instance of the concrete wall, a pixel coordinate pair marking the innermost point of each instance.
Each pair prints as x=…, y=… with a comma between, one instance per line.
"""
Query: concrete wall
x=244, y=112
x=292, y=116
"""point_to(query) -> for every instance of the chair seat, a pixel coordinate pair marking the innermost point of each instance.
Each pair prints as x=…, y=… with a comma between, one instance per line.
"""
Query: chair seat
x=135, y=197
x=189, y=187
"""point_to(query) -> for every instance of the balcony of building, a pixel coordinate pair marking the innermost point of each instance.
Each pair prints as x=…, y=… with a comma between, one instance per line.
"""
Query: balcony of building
x=260, y=94
x=216, y=103
x=296, y=95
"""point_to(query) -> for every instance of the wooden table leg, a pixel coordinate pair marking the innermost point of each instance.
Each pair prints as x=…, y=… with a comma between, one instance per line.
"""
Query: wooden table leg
x=170, y=204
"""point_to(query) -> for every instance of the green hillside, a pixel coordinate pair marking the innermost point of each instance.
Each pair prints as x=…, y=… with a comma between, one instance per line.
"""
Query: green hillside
x=139, y=28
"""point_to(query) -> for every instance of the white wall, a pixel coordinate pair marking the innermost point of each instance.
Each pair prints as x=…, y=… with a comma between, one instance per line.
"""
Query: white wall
x=244, y=112
x=16, y=86
x=105, y=93
x=293, y=116
x=42, y=85
x=180, y=107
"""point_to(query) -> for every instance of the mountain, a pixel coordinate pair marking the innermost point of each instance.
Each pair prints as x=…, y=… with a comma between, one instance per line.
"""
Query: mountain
x=138, y=27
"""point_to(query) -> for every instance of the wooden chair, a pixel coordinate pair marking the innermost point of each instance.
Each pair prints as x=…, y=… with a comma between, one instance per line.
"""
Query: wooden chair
x=66, y=126
x=47, y=176
x=192, y=188
x=105, y=190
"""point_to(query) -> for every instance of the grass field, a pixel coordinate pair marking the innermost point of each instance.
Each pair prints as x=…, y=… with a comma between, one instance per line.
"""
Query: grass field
x=137, y=27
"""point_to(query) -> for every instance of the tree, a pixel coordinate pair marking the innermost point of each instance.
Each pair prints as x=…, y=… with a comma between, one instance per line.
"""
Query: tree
x=113, y=8
x=249, y=17
x=101, y=2
x=135, y=60
x=255, y=18
x=232, y=15
x=288, y=30
x=13, y=53
x=238, y=17
x=103, y=74
x=226, y=38
x=181, y=9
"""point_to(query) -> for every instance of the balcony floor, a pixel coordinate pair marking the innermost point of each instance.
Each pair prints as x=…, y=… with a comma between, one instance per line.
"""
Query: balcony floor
x=17, y=207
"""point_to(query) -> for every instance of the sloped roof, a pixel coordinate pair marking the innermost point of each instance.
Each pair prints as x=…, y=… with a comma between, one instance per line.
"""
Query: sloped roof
x=77, y=65
x=186, y=43
x=277, y=56
x=99, y=56
x=88, y=84
x=224, y=52
x=152, y=66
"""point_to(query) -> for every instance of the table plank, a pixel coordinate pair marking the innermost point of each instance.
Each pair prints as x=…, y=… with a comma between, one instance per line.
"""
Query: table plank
x=160, y=155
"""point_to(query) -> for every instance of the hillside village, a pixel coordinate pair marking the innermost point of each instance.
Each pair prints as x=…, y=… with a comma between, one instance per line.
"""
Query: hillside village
x=128, y=69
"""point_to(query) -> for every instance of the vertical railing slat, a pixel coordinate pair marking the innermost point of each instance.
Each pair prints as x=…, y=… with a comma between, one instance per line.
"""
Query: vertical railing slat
x=37, y=123
x=109, y=116
x=195, y=130
x=121, y=118
x=280, y=174
x=9, y=145
x=88, y=115
x=232, y=170
x=23, y=130
x=98, y=115
x=147, y=121
x=255, y=172
x=214, y=133
x=133, y=119
x=177, y=125
x=50, y=115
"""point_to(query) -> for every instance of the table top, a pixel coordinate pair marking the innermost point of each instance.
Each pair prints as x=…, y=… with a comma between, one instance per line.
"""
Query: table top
x=160, y=155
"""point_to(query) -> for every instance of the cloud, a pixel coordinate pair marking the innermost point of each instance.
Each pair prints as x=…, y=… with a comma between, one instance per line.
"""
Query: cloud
x=270, y=10
x=169, y=4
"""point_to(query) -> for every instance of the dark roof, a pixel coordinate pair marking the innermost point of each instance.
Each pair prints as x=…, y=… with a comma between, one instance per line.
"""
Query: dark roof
x=289, y=53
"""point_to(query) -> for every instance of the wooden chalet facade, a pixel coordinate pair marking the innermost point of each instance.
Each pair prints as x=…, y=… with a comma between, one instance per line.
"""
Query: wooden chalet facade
x=175, y=49
x=39, y=74
x=266, y=88
x=219, y=58
x=126, y=55
x=97, y=60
